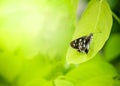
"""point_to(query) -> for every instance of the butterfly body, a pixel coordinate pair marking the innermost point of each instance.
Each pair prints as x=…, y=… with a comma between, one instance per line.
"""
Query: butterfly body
x=82, y=43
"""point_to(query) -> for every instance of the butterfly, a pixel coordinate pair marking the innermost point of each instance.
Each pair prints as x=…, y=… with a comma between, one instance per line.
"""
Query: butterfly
x=82, y=44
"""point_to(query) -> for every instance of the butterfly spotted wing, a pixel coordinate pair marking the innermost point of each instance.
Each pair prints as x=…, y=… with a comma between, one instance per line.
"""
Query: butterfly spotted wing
x=82, y=44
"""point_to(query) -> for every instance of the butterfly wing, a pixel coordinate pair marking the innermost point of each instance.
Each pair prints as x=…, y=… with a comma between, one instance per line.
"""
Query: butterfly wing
x=75, y=43
x=82, y=43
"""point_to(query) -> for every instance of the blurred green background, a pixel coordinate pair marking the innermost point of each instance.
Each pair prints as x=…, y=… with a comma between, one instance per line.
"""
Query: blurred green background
x=35, y=36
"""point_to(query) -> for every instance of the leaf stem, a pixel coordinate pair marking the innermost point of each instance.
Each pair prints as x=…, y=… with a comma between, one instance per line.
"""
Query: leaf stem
x=116, y=17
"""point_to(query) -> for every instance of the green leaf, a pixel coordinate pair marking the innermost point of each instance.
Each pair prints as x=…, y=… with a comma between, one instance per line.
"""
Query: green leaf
x=3, y=84
x=34, y=68
x=92, y=70
x=98, y=81
x=60, y=81
x=38, y=82
x=116, y=83
x=10, y=66
x=63, y=83
x=116, y=64
x=97, y=19
x=112, y=48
